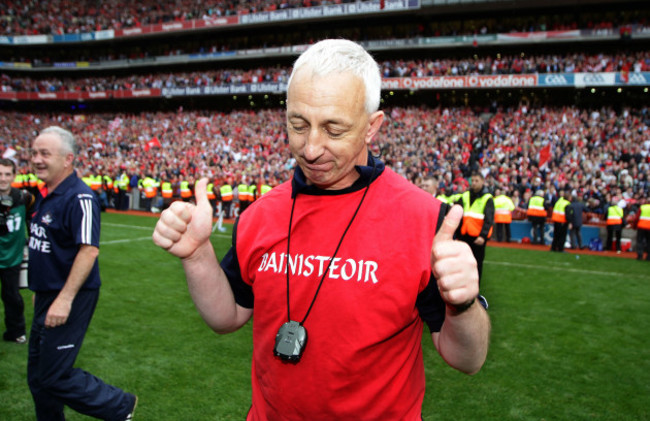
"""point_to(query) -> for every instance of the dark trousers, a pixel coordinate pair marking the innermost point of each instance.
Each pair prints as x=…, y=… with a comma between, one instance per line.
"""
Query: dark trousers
x=477, y=251
x=13, y=303
x=576, y=237
x=559, y=236
x=614, y=231
x=643, y=243
x=122, y=202
x=53, y=380
x=226, y=208
x=503, y=232
x=538, y=229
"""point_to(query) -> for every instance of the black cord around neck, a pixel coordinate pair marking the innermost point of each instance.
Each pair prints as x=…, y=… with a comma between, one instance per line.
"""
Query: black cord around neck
x=293, y=205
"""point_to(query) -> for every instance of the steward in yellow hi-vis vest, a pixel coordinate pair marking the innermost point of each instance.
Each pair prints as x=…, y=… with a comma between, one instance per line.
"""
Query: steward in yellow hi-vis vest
x=210, y=190
x=212, y=196
x=167, y=193
x=244, y=196
x=31, y=181
x=474, y=216
x=560, y=225
x=503, y=207
x=615, y=217
x=166, y=190
x=186, y=191
x=536, y=214
x=150, y=189
x=19, y=181
x=121, y=187
x=226, y=195
x=643, y=231
x=478, y=218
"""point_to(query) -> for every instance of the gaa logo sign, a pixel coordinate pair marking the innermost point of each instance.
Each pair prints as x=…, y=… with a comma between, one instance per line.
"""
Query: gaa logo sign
x=637, y=78
x=556, y=80
x=595, y=79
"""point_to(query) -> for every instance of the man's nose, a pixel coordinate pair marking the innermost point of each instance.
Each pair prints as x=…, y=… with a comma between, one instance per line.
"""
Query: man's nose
x=314, y=144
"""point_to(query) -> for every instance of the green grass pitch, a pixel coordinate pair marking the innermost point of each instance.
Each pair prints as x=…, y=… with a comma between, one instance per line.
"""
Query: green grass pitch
x=570, y=340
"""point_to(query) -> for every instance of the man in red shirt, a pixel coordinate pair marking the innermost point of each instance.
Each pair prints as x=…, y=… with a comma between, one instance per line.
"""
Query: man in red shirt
x=341, y=291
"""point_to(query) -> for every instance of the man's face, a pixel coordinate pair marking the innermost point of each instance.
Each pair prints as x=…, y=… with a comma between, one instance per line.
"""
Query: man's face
x=7, y=176
x=328, y=127
x=429, y=186
x=48, y=159
x=477, y=183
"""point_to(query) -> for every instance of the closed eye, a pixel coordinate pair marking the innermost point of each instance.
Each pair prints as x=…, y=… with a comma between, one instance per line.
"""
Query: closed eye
x=298, y=128
x=334, y=134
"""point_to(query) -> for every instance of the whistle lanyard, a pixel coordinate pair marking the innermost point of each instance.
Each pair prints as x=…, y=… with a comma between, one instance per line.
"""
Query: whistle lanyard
x=293, y=205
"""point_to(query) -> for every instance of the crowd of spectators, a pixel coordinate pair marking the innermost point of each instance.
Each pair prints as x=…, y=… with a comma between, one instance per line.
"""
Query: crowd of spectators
x=144, y=81
x=598, y=154
x=56, y=17
x=485, y=65
x=519, y=64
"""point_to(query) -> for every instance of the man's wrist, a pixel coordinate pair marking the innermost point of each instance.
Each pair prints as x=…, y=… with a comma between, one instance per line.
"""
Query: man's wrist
x=457, y=309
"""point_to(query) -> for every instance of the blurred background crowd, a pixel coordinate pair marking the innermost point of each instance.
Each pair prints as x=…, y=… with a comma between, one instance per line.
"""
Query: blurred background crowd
x=597, y=147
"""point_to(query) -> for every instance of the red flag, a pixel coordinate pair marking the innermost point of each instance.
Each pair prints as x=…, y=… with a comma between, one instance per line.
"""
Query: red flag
x=544, y=155
x=153, y=143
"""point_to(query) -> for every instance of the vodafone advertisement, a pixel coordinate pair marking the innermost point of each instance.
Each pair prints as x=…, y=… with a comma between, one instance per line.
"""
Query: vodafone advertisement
x=454, y=82
x=533, y=80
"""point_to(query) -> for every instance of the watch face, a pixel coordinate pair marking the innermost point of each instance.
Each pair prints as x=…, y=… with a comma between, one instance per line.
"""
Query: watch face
x=290, y=341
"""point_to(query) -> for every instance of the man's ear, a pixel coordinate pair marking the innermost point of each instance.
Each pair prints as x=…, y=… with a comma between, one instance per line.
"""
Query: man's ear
x=375, y=121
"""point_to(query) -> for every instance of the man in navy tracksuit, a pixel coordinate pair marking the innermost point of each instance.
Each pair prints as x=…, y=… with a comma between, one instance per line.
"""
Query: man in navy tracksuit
x=64, y=274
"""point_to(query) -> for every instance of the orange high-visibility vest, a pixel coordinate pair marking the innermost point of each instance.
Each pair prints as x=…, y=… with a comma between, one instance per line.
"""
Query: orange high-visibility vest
x=503, y=207
x=30, y=179
x=18, y=181
x=644, y=217
x=243, y=193
x=536, y=207
x=185, y=190
x=558, y=210
x=614, y=215
x=150, y=192
x=166, y=190
x=95, y=182
x=108, y=181
x=210, y=191
x=474, y=214
x=226, y=193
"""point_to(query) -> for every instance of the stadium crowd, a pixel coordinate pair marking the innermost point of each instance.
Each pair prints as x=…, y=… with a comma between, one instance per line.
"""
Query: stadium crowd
x=65, y=17
x=485, y=65
x=599, y=154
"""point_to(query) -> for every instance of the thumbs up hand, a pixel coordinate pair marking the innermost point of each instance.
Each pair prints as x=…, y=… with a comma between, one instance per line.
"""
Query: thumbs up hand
x=184, y=227
x=453, y=263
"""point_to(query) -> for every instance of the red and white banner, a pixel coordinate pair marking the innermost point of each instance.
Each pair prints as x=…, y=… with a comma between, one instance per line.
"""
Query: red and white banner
x=544, y=155
x=153, y=143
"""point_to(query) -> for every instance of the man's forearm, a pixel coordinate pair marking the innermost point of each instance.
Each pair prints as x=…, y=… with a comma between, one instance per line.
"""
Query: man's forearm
x=211, y=292
x=81, y=267
x=464, y=338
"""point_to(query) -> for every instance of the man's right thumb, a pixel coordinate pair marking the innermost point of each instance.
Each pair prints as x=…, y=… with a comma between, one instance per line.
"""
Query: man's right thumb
x=201, y=192
x=450, y=224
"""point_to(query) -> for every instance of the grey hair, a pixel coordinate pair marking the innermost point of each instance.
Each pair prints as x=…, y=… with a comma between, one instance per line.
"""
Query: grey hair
x=67, y=138
x=340, y=56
